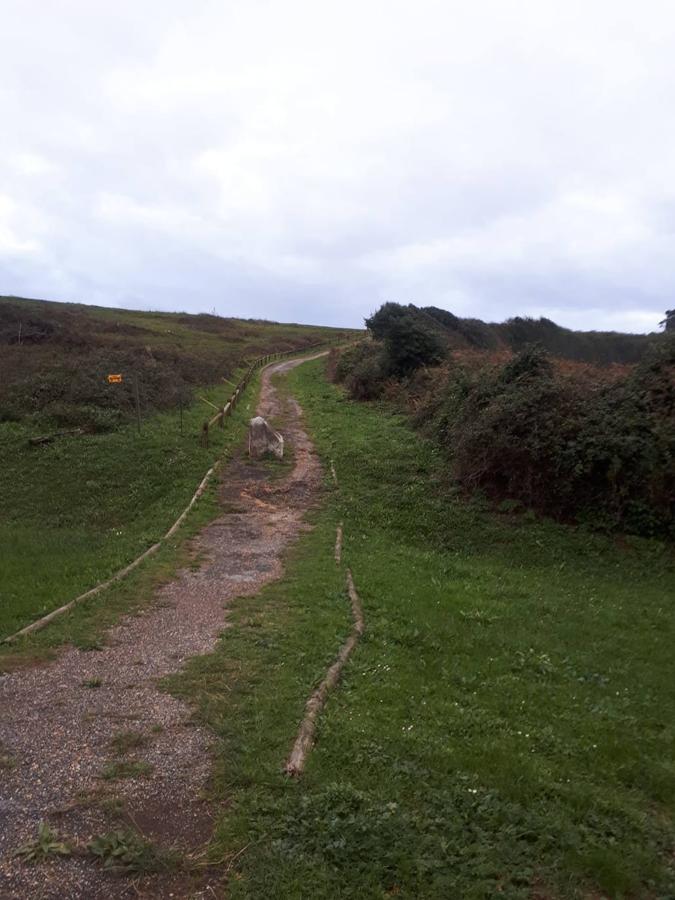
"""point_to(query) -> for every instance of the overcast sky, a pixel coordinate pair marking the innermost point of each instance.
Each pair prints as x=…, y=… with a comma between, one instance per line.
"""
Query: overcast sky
x=307, y=161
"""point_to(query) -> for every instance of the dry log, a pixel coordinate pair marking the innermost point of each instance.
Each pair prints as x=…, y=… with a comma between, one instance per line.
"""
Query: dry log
x=305, y=738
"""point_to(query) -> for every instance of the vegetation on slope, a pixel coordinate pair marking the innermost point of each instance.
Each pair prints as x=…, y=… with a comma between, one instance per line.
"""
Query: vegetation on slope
x=503, y=729
x=76, y=510
x=576, y=442
x=600, y=347
x=56, y=356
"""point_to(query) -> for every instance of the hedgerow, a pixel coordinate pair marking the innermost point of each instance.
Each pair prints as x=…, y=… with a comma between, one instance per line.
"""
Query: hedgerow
x=573, y=444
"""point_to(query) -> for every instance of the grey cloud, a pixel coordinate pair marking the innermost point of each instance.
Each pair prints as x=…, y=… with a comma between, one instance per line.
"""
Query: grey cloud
x=288, y=161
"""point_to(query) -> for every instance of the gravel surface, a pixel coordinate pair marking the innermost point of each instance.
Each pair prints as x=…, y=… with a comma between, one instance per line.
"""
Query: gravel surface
x=58, y=732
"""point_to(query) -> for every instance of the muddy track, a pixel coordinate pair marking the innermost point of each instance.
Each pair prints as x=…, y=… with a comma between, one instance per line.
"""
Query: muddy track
x=58, y=731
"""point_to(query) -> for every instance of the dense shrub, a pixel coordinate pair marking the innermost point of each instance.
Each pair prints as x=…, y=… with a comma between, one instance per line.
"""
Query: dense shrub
x=363, y=369
x=571, y=444
x=597, y=347
x=440, y=329
x=409, y=341
x=571, y=447
x=470, y=331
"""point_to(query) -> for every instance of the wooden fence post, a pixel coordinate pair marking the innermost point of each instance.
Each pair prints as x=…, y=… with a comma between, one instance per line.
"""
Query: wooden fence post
x=245, y=380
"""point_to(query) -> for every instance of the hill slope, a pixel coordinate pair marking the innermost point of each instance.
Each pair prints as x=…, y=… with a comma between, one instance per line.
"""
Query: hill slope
x=55, y=357
x=76, y=510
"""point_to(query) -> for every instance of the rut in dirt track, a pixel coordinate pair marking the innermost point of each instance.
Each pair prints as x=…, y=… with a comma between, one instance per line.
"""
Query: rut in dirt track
x=58, y=731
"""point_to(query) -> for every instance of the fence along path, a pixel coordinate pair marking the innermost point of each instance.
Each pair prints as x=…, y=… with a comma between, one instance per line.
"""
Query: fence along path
x=122, y=573
x=231, y=404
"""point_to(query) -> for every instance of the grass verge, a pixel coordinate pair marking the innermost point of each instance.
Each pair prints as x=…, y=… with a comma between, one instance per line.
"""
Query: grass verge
x=108, y=498
x=505, y=728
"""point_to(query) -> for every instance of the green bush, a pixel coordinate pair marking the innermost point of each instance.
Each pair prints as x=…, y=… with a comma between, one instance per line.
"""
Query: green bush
x=409, y=341
x=573, y=446
x=363, y=370
x=599, y=347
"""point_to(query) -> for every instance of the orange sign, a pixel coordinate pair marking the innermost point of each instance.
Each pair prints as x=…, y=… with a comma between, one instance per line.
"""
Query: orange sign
x=114, y=379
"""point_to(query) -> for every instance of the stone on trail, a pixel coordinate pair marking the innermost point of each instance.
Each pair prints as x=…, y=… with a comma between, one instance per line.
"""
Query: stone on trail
x=262, y=439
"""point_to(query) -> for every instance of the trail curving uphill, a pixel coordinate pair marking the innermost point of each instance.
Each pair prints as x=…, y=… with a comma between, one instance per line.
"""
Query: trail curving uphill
x=60, y=734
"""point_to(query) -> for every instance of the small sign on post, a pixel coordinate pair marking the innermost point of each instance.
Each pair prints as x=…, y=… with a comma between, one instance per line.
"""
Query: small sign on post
x=115, y=379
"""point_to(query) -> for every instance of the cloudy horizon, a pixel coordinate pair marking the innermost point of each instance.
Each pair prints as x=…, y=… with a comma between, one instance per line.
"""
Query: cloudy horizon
x=306, y=162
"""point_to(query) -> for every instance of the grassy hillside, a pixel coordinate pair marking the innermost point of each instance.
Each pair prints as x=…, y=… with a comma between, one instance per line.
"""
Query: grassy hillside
x=602, y=347
x=54, y=358
x=505, y=727
x=76, y=510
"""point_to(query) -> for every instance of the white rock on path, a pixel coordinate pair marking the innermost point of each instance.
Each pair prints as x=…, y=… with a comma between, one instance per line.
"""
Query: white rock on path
x=262, y=439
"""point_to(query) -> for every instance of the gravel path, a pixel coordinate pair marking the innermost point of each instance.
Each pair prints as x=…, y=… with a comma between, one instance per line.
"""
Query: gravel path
x=60, y=733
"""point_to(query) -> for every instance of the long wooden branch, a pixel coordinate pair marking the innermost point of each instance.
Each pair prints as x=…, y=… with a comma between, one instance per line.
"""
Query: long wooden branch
x=304, y=741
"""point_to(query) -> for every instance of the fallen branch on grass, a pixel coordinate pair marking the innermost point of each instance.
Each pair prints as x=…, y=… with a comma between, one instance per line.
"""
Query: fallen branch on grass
x=305, y=739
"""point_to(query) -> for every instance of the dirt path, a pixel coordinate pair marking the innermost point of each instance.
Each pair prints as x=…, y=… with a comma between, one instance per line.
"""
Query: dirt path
x=60, y=733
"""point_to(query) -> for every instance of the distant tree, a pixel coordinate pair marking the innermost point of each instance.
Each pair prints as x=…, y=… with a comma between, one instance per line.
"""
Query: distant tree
x=409, y=341
x=669, y=321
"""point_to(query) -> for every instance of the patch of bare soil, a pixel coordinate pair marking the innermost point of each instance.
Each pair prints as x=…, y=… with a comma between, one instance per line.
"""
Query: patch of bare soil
x=61, y=731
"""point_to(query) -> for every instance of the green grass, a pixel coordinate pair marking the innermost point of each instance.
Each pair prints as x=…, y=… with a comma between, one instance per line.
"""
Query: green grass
x=119, y=769
x=505, y=728
x=75, y=511
x=79, y=509
x=206, y=335
x=124, y=741
x=87, y=624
